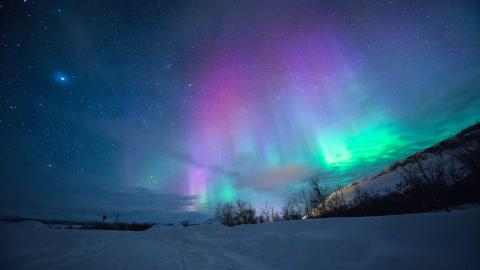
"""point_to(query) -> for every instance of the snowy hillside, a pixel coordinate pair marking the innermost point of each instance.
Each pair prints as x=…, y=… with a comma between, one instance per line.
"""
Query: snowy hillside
x=444, y=155
x=419, y=241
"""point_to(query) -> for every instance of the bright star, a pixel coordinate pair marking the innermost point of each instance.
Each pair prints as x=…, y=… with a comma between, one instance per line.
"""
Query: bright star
x=61, y=78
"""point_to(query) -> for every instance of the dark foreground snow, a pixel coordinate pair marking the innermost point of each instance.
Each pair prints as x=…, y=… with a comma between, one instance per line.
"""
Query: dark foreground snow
x=420, y=241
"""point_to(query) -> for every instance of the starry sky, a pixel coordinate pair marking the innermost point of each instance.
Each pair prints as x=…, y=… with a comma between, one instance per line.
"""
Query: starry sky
x=161, y=110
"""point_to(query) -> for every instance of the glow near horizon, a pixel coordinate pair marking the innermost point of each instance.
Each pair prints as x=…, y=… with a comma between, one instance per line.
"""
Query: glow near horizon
x=283, y=105
x=322, y=120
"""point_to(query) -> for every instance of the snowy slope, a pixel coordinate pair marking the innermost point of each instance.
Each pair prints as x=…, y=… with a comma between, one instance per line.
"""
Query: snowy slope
x=419, y=241
x=439, y=154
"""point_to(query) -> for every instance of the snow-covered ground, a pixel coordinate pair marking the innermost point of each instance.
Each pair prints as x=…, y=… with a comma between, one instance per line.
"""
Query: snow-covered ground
x=419, y=241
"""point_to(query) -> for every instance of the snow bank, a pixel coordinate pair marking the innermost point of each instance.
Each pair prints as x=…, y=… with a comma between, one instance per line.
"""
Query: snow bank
x=419, y=241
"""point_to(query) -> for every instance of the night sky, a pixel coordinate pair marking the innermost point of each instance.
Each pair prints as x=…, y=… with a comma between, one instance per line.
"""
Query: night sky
x=161, y=110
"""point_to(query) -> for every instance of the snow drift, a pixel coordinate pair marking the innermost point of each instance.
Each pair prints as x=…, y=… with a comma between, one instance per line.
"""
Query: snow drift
x=419, y=241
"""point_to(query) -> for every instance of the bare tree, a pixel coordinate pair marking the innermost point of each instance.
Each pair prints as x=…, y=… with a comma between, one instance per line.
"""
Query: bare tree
x=468, y=154
x=336, y=202
x=314, y=198
x=269, y=214
x=235, y=214
x=318, y=194
x=244, y=214
x=413, y=183
x=225, y=214
x=292, y=209
x=362, y=200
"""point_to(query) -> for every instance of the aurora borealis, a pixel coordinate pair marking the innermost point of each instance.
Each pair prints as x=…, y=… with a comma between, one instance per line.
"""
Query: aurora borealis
x=198, y=103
